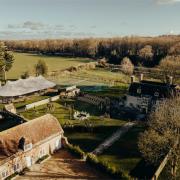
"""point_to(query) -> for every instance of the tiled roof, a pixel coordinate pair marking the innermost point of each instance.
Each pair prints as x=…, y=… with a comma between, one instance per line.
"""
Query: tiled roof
x=35, y=131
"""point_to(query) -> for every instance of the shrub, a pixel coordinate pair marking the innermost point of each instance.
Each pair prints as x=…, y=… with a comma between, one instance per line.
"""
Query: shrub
x=12, y=176
x=41, y=68
x=25, y=75
x=104, y=166
x=42, y=158
x=76, y=151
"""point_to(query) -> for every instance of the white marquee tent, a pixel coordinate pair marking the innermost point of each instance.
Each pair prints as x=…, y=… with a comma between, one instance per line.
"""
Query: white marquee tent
x=25, y=86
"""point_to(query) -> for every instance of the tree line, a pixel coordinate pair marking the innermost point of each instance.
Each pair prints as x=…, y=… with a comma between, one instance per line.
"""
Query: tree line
x=143, y=51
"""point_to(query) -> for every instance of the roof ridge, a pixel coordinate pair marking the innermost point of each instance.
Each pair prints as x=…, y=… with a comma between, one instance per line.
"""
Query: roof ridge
x=28, y=122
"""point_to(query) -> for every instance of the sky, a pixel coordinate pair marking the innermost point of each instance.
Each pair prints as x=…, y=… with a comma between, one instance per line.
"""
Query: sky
x=42, y=19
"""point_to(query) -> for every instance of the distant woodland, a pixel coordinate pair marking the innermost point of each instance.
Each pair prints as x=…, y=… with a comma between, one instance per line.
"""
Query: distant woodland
x=142, y=51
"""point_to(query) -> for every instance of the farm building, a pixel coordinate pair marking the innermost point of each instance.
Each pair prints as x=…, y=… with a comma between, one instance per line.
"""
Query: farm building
x=69, y=92
x=23, y=87
x=22, y=145
x=144, y=95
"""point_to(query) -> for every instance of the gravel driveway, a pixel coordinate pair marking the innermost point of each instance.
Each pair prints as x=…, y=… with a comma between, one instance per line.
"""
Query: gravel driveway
x=62, y=166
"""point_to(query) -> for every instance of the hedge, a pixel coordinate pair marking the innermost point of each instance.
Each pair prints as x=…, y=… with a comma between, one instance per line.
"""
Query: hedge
x=76, y=151
x=104, y=166
x=42, y=158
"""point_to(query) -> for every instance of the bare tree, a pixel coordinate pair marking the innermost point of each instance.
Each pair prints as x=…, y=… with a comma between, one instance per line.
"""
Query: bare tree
x=170, y=66
x=163, y=134
x=126, y=66
x=146, y=53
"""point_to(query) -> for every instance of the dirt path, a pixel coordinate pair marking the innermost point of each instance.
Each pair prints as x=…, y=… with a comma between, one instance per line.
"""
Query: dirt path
x=62, y=166
x=113, y=138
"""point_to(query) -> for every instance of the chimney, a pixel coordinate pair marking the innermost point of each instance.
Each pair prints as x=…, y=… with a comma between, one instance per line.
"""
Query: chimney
x=141, y=77
x=132, y=79
x=170, y=80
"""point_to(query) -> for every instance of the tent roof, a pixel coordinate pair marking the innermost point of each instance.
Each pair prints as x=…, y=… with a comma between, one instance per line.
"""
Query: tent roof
x=25, y=86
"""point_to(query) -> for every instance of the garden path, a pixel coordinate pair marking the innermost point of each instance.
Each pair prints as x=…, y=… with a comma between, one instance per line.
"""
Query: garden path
x=113, y=138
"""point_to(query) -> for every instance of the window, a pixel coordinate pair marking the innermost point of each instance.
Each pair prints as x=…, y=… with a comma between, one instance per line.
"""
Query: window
x=42, y=153
x=156, y=94
x=16, y=167
x=4, y=174
x=27, y=147
x=139, y=90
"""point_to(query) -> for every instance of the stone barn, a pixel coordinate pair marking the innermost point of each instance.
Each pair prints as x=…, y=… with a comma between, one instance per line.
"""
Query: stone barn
x=22, y=145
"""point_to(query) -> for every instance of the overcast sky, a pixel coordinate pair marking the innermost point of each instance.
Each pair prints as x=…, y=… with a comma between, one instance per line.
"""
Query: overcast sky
x=27, y=19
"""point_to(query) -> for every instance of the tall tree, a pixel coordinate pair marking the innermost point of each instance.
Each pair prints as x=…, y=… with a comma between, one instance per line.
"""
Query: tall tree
x=6, y=60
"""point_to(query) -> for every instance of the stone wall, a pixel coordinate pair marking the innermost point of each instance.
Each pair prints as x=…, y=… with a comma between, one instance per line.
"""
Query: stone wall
x=27, y=158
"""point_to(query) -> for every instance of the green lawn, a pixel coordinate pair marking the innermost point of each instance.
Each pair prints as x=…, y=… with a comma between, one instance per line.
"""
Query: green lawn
x=29, y=100
x=124, y=153
x=88, y=141
x=26, y=61
x=60, y=113
x=102, y=127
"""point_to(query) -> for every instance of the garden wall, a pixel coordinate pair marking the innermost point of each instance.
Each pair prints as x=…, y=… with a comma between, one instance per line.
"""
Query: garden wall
x=42, y=102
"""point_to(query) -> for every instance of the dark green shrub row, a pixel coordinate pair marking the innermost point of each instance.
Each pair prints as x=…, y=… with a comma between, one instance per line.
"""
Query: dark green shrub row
x=76, y=151
x=42, y=158
x=106, y=167
x=12, y=176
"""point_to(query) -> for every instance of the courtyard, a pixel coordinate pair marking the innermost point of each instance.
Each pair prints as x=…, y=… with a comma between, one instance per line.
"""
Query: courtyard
x=62, y=165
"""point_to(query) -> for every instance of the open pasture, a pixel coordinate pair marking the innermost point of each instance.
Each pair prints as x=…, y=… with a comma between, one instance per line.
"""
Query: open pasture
x=26, y=61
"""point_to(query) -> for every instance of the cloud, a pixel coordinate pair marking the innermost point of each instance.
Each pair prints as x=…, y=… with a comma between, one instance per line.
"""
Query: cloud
x=33, y=25
x=166, y=1
x=40, y=30
x=28, y=25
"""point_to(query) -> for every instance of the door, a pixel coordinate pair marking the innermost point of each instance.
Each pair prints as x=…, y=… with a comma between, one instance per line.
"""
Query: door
x=28, y=161
x=58, y=144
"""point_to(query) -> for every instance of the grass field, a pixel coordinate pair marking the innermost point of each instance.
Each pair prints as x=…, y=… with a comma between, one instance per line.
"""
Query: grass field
x=26, y=61
x=124, y=153
x=96, y=77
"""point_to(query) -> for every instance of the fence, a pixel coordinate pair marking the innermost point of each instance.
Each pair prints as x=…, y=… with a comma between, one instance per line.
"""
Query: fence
x=42, y=102
x=163, y=163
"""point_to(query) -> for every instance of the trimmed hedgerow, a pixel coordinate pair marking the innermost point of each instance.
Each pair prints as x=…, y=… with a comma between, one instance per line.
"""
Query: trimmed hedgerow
x=42, y=158
x=104, y=166
x=76, y=151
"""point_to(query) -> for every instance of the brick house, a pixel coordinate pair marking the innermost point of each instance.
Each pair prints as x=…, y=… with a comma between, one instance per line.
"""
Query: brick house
x=22, y=145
